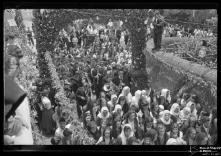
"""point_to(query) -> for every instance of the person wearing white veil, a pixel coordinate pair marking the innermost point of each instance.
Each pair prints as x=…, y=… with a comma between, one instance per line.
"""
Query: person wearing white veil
x=112, y=103
x=117, y=113
x=126, y=133
x=184, y=114
x=192, y=106
x=175, y=111
x=104, y=116
x=136, y=98
x=166, y=120
x=126, y=92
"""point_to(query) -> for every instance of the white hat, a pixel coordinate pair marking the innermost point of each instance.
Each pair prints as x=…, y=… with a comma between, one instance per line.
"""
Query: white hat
x=106, y=87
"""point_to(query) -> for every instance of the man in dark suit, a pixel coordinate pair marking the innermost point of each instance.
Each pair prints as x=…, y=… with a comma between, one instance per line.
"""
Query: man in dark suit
x=157, y=31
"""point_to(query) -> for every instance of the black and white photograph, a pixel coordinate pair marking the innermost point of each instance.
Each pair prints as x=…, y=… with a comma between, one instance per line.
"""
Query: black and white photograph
x=110, y=76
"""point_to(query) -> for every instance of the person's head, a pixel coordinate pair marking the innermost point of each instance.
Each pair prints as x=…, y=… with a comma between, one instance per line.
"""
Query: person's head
x=62, y=123
x=93, y=126
x=192, y=121
x=161, y=108
x=118, y=123
x=166, y=115
x=148, y=123
x=88, y=118
x=175, y=130
x=104, y=111
x=161, y=128
x=46, y=102
x=133, y=141
x=67, y=132
x=122, y=100
x=186, y=111
x=198, y=107
x=191, y=132
x=126, y=90
x=127, y=130
x=201, y=139
x=118, y=109
x=107, y=132
x=131, y=115
x=175, y=109
x=114, y=98
x=138, y=94
x=206, y=121
x=198, y=126
x=103, y=102
x=102, y=95
x=143, y=93
x=192, y=107
x=147, y=140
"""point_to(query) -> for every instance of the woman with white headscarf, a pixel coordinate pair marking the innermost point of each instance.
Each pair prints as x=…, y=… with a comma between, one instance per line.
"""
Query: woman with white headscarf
x=184, y=114
x=104, y=116
x=175, y=111
x=48, y=125
x=166, y=120
x=112, y=103
x=136, y=98
x=126, y=133
x=165, y=98
x=117, y=113
x=192, y=106
x=126, y=92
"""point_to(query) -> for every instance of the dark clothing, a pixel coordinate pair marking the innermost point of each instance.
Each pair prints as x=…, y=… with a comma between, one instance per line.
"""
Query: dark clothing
x=95, y=135
x=30, y=39
x=116, y=132
x=118, y=35
x=165, y=103
x=158, y=31
x=48, y=125
x=126, y=38
x=127, y=79
x=81, y=100
x=125, y=108
x=162, y=142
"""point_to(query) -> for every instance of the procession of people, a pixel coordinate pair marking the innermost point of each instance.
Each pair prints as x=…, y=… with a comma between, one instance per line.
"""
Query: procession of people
x=111, y=110
x=94, y=64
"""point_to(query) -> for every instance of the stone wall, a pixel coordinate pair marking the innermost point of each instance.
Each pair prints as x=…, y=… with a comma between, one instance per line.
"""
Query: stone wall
x=168, y=71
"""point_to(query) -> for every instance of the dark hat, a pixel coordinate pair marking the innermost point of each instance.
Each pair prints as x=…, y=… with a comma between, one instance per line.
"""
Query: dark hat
x=93, y=72
x=14, y=96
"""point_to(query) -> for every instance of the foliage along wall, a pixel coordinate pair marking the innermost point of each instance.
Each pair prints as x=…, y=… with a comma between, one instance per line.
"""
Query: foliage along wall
x=164, y=74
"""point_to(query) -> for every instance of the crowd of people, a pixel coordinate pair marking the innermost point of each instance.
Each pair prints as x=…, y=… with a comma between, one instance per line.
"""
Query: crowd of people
x=181, y=31
x=108, y=106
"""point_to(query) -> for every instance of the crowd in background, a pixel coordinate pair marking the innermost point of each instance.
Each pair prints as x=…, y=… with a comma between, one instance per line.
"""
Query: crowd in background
x=181, y=31
x=108, y=106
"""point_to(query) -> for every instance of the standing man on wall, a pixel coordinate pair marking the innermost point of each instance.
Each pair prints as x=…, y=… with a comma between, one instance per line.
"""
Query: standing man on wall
x=157, y=31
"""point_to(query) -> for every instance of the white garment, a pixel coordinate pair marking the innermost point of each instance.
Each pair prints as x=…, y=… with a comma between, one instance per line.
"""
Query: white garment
x=59, y=132
x=122, y=135
x=23, y=111
x=23, y=138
